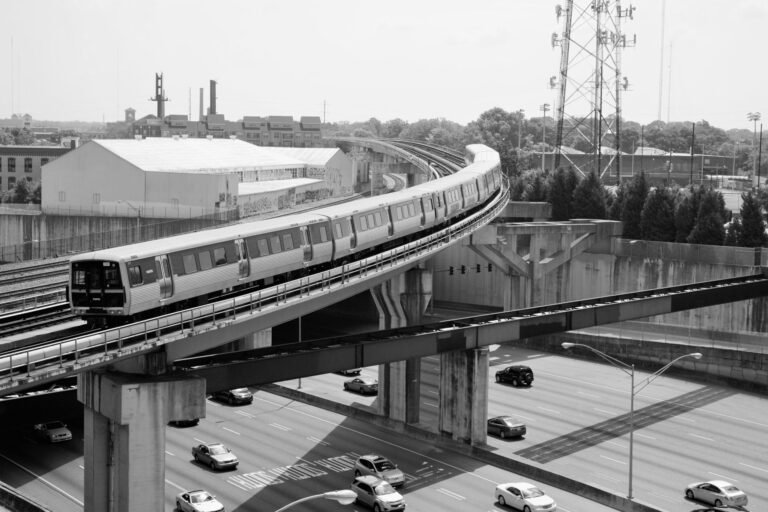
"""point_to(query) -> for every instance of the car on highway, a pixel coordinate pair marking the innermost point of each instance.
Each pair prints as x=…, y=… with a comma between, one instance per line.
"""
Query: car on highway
x=377, y=494
x=718, y=493
x=506, y=426
x=198, y=501
x=52, y=431
x=363, y=385
x=215, y=455
x=380, y=467
x=524, y=496
x=350, y=371
x=184, y=423
x=235, y=396
x=517, y=375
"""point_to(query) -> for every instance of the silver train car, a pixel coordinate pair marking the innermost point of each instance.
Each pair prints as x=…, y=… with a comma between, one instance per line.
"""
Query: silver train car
x=121, y=284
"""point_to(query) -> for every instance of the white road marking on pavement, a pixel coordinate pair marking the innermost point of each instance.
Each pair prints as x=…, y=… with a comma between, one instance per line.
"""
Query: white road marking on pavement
x=604, y=476
x=700, y=437
x=241, y=413
x=430, y=404
x=590, y=395
x=614, y=443
x=614, y=460
x=182, y=489
x=604, y=411
x=169, y=453
x=754, y=467
x=638, y=434
x=450, y=494
x=230, y=430
x=199, y=440
x=718, y=475
x=280, y=427
x=686, y=419
x=318, y=441
x=81, y=466
x=549, y=410
x=46, y=482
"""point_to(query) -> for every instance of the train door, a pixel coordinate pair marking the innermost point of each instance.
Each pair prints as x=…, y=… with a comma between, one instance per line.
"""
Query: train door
x=164, y=278
x=306, y=243
x=243, y=265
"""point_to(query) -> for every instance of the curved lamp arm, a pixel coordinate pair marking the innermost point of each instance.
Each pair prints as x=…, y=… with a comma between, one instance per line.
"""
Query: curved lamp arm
x=345, y=497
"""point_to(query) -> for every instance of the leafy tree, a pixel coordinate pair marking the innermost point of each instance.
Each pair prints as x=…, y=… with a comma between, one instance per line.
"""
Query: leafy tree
x=560, y=194
x=536, y=190
x=589, y=198
x=632, y=209
x=709, y=227
x=361, y=132
x=374, y=126
x=37, y=194
x=732, y=233
x=752, y=225
x=23, y=137
x=22, y=192
x=6, y=138
x=616, y=202
x=517, y=189
x=657, y=221
x=393, y=128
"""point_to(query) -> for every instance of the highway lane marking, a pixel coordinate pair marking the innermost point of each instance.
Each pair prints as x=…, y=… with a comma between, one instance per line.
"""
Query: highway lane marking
x=430, y=404
x=199, y=440
x=230, y=430
x=614, y=443
x=754, y=467
x=549, y=410
x=685, y=419
x=247, y=415
x=182, y=489
x=318, y=441
x=604, y=411
x=614, y=460
x=383, y=441
x=729, y=478
x=457, y=497
x=280, y=427
x=590, y=395
x=81, y=467
x=169, y=453
x=700, y=437
x=606, y=477
x=45, y=481
x=432, y=392
x=638, y=434
x=526, y=418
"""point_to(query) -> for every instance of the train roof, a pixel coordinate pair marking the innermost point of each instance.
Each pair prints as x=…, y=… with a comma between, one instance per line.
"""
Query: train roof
x=198, y=238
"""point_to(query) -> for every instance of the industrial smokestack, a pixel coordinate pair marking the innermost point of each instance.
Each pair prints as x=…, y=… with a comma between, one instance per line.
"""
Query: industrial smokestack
x=212, y=108
x=200, y=117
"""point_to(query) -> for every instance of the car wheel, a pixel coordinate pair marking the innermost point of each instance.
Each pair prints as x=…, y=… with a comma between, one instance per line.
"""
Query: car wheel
x=514, y=381
x=213, y=466
x=718, y=503
x=376, y=508
x=196, y=459
x=178, y=506
x=689, y=494
x=526, y=509
x=501, y=501
x=346, y=388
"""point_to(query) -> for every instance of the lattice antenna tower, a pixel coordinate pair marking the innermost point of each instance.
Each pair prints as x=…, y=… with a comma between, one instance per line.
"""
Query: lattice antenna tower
x=590, y=85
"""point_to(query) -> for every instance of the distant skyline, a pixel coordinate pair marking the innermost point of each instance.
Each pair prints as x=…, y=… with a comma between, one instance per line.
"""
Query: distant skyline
x=89, y=60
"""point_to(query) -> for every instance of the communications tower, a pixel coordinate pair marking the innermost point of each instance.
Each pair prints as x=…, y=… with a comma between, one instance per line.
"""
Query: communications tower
x=590, y=84
x=159, y=96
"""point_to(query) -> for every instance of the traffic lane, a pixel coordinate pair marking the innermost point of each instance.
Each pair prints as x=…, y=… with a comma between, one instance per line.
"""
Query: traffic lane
x=429, y=469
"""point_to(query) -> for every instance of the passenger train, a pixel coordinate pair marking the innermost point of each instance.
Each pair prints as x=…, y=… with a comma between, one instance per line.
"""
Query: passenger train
x=112, y=286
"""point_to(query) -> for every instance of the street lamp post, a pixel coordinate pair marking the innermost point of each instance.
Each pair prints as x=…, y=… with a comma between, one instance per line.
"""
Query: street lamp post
x=138, y=217
x=629, y=369
x=544, y=108
x=345, y=497
x=754, y=117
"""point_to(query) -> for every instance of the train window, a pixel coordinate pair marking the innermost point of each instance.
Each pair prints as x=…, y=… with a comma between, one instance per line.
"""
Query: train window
x=190, y=265
x=263, y=247
x=411, y=210
x=274, y=244
x=339, y=229
x=398, y=213
x=372, y=219
x=112, y=277
x=287, y=242
x=323, y=232
x=363, y=223
x=205, y=260
x=78, y=278
x=220, y=255
x=134, y=275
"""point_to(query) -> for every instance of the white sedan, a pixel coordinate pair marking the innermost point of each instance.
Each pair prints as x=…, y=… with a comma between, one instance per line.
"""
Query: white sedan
x=524, y=496
x=198, y=501
x=717, y=492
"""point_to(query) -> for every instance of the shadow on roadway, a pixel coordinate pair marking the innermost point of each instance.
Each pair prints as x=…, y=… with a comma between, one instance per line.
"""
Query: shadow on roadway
x=592, y=435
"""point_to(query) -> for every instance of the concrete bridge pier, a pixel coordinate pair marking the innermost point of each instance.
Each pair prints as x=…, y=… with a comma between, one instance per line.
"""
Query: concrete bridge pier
x=463, y=399
x=124, y=429
x=402, y=301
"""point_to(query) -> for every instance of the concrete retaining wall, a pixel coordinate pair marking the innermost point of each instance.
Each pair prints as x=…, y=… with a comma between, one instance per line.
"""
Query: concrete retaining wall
x=12, y=500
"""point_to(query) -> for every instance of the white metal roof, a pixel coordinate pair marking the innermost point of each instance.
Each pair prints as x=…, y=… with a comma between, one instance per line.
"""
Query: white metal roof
x=312, y=156
x=166, y=154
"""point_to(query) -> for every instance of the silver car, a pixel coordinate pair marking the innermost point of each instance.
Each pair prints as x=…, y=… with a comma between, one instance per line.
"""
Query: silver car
x=524, y=496
x=717, y=492
x=215, y=455
x=380, y=467
x=52, y=431
x=377, y=494
x=198, y=501
x=362, y=385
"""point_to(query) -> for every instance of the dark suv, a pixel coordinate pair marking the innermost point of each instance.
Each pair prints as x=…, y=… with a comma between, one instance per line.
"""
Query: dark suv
x=517, y=375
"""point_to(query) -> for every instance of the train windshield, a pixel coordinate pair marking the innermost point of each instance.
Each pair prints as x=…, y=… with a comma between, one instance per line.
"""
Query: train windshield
x=96, y=275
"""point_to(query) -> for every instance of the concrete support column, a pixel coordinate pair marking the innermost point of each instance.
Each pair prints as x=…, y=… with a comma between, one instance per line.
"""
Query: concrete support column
x=463, y=403
x=124, y=430
x=402, y=301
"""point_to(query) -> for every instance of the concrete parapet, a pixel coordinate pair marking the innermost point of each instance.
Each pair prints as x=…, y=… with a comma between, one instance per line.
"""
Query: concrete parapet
x=11, y=499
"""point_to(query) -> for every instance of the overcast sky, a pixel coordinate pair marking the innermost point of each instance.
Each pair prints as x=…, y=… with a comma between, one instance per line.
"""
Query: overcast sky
x=89, y=60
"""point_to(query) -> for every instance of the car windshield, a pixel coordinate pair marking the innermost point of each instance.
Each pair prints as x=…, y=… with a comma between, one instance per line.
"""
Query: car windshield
x=533, y=492
x=383, y=465
x=217, y=449
x=200, y=497
x=54, y=424
x=383, y=488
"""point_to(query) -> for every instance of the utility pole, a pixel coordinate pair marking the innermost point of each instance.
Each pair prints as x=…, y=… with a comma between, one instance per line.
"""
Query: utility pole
x=544, y=108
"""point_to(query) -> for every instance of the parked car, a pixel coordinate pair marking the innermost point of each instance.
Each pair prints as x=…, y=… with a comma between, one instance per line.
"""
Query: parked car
x=362, y=385
x=718, y=493
x=350, y=371
x=198, y=501
x=380, y=467
x=524, y=496
x=215, y=455
x=234, y=396
x=184, y=423
x=506, y=426
x=377, y=494
x=517, y=375
x=52, y=432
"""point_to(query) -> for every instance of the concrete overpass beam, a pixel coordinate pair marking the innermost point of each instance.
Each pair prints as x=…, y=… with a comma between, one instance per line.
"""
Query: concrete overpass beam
x=464, y=395
x=124, y=430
